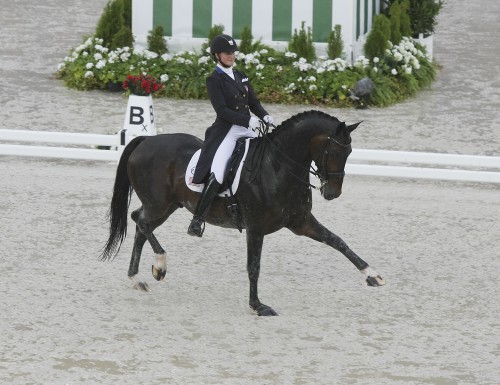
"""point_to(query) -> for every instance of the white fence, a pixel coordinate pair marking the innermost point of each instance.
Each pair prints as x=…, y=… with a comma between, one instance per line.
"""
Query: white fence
x=397, y=164
x=115, y=142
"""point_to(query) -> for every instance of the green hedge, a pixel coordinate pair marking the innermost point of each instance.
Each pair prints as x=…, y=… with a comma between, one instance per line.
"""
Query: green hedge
x=278, y=77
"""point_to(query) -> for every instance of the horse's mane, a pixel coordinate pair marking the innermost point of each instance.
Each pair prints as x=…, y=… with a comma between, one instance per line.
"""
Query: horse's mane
x=292, y=121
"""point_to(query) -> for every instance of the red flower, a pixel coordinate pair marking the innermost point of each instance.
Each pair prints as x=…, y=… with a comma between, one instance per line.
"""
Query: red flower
x=142, y=85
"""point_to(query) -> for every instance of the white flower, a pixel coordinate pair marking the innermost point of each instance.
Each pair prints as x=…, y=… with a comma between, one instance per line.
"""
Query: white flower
x=320, y=70
x=290, y=88
x=85, y=54
x=376, y=59
x=89, y=65
x=251, y=58
x=88, y=42
x=264, y=51
x=408, y=70
x=100, y=48
x=312, y=87
x=394, y=71
x=88, y=74
x=289, y=54
x=166, y=56
x=259, y=67
x=164, y=78
x=344, y=87
x=97, y=56
x=375, y=69
x=302, y=65
x=100, y=64
x=149, y=54
x=361, y=62
x=204, y=59
x=279, y=68
x=311, y=79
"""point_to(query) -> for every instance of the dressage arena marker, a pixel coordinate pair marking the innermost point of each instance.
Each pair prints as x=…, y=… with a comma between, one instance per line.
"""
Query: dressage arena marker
x=401, y=164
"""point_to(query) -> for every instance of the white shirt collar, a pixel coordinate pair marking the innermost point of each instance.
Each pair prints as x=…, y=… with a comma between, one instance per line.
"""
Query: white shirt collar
x=228, y=71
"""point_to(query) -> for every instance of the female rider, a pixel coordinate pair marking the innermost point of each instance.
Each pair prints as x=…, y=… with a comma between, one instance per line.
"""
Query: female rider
x=232, y=98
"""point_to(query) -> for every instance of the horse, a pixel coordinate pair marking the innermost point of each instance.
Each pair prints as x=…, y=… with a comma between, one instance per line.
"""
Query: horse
x=274, y=191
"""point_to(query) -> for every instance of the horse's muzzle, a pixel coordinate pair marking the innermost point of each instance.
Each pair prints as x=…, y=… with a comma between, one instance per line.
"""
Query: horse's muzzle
x=330, y=194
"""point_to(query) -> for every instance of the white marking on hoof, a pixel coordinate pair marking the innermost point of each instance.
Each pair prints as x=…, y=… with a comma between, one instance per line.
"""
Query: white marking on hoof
x=161, y=262
x=371, y=273
x=138, y=285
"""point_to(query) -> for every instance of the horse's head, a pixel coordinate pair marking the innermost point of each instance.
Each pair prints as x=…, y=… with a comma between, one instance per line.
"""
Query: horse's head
x=332, y=151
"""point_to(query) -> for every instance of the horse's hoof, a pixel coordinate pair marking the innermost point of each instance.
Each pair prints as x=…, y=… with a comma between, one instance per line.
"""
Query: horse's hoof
x=265, y=311
x=375, y=281
x=143, y=286
x=158, y=274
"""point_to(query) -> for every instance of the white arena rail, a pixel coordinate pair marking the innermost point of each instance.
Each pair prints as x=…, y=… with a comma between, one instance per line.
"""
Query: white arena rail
x=398, y=164
x=115, y=142
x=410, y=159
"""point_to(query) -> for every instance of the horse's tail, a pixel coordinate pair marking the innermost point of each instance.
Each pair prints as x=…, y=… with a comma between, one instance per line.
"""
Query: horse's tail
x=122, y=193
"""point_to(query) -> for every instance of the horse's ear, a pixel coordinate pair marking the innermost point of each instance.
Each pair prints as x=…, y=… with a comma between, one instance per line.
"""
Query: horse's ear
x=352, y=127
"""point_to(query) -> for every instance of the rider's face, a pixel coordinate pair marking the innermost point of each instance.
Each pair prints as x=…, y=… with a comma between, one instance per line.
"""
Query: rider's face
x=227, y=58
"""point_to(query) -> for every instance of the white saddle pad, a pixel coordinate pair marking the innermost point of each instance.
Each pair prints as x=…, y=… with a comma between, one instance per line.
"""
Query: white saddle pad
x=199, y=187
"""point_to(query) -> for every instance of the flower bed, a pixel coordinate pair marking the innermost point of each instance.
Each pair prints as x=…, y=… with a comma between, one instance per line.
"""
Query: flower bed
x=279, y=77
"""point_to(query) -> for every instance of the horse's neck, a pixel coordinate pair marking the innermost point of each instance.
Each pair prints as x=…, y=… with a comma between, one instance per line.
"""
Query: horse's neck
x=295, y=143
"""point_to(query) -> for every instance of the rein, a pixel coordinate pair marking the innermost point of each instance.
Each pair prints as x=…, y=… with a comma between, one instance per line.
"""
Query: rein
x=322, y=176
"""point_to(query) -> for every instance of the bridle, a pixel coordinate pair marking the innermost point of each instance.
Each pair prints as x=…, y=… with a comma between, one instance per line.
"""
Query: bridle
x=321, y=173
x=318, y=172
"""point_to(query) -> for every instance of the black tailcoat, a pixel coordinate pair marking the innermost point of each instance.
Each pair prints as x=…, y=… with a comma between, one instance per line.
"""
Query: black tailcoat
x=232, y=101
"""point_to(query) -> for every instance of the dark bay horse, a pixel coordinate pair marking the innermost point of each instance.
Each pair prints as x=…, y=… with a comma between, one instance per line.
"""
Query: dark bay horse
x=274, y=191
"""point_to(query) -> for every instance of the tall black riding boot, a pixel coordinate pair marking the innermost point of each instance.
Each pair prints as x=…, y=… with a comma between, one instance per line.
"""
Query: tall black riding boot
x=208, y=194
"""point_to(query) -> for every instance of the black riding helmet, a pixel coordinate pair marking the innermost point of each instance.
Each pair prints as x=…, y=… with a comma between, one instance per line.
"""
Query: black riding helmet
x=223, y=43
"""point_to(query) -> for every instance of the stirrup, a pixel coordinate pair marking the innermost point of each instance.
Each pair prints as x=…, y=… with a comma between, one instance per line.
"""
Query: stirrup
x=196, y=227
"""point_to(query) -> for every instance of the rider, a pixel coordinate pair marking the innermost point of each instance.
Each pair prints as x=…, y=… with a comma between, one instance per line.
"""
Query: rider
x=232, y=98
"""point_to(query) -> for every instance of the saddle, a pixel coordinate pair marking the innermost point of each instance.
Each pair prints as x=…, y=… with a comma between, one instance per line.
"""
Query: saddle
x=231, y=179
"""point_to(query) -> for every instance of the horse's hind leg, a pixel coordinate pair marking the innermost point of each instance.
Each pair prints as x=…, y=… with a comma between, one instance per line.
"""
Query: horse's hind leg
x=146, y=224
x=313, y=229
x=133, y=269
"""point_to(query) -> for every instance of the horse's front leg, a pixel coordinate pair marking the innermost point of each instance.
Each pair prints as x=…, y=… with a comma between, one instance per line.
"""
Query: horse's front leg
x=254, y=251
x=313, y=229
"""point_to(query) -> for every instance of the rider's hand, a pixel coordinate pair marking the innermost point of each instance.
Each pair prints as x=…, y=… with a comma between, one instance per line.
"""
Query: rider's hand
x=269, y=120
x=254, y=123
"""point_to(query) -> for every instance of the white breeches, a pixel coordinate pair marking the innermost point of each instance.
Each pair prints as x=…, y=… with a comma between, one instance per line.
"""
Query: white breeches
x=226, y=148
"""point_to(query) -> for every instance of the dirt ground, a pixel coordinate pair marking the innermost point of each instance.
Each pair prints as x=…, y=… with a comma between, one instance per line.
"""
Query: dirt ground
x=68, y=318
